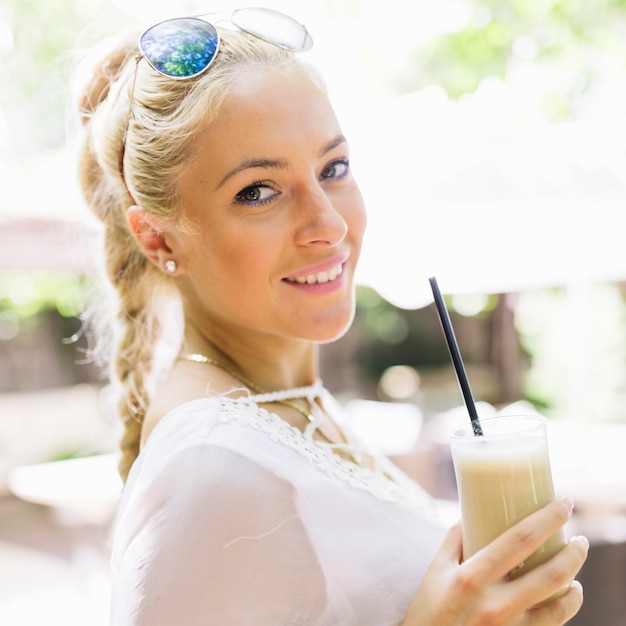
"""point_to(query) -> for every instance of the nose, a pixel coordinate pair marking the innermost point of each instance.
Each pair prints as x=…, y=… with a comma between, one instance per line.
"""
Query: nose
x=320, y=222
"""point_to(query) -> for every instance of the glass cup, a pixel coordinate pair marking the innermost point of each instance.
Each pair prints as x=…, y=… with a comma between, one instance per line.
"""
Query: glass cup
x=502, y=477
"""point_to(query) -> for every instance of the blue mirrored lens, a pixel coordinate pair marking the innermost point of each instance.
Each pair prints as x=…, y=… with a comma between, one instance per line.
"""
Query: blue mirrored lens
x=180, y=48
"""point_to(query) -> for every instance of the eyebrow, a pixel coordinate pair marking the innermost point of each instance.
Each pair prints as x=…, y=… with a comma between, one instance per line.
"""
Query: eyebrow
x=276, y=163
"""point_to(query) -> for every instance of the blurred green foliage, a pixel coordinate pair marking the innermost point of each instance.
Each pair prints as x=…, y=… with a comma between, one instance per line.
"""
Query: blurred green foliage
x=39, y=42
x=25, y=294
x=578, y=39
x=389, y=336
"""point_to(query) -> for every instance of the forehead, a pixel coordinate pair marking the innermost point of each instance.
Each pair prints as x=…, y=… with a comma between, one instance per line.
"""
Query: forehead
x=268, y=107
x=262, y=83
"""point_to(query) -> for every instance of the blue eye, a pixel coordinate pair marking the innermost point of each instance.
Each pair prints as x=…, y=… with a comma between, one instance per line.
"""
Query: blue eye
x=337, y=169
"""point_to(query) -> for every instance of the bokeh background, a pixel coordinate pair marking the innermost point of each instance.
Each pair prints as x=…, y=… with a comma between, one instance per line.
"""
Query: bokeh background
x=489, y=141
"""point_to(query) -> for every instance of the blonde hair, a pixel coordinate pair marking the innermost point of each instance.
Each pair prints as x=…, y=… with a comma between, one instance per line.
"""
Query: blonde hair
x=166, y=116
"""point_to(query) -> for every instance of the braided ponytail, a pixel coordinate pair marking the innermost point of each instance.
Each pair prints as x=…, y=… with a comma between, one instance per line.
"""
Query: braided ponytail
x=138, y=332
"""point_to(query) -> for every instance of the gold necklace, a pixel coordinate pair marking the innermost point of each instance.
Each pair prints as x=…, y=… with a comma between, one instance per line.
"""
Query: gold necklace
x=201, y=358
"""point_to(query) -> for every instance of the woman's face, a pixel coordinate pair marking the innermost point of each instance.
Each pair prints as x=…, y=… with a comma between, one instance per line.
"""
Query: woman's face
x=279, y=217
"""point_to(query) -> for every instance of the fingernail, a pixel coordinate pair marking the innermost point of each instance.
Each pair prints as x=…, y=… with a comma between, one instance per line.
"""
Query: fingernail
x=568, y=503
x=576, y=583
x=582, y=540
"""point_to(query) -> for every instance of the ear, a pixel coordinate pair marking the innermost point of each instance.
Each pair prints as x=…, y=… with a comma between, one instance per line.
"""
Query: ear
x=148, y=235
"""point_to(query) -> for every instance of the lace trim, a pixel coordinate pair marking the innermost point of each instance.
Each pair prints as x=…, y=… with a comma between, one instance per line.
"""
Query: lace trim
x=245, y=411
x=310, y=393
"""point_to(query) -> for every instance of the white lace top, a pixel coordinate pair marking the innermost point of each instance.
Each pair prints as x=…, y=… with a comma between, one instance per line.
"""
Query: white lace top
x=231, y=516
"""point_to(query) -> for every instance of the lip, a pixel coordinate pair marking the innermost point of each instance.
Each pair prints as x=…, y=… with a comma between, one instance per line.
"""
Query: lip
x=336, y=268
x=322, y=266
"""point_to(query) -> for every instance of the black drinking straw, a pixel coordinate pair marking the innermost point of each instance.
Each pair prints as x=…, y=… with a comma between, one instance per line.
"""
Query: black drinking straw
x=455, y=355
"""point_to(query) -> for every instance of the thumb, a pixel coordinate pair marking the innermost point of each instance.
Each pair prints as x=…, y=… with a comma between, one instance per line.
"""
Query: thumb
x=433, y=592
x=451, y=549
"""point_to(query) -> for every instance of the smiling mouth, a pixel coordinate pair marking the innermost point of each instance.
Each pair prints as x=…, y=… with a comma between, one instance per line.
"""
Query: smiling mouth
x=319, y=277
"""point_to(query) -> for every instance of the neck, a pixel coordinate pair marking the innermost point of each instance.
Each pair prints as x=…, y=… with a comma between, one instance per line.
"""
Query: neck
x=272, y=363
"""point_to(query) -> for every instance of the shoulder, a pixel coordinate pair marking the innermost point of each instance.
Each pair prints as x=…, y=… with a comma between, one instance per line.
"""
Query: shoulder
x=200, y=460
x=185, y=382
x=203, y=459
x=211, y=440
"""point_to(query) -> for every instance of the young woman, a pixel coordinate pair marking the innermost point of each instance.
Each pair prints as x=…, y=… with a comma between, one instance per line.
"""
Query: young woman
x=222, y=178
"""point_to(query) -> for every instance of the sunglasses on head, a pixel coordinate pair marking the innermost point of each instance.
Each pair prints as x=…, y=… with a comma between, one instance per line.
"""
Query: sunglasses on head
x=185, y=47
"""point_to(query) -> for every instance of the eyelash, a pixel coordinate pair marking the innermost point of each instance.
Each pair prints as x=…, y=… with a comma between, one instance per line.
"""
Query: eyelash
x=259, y=184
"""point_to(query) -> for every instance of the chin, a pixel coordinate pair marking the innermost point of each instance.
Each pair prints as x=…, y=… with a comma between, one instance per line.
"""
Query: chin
x=335, y=331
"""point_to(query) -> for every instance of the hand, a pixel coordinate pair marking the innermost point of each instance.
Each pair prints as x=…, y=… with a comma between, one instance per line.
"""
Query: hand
x=478, y=592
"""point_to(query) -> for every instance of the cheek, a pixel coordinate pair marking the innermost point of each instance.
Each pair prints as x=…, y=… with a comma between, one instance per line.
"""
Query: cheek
x=246, y=259
x=356, y=218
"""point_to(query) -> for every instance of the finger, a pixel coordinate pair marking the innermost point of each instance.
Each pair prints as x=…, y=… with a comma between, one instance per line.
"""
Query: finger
x=559, y=611
x=556, y=574
x=516, y=544
x=451, y=550
x=453, y=542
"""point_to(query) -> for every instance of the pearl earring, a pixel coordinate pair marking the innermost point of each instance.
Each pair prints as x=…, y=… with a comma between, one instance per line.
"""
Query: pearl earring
x=170, y=266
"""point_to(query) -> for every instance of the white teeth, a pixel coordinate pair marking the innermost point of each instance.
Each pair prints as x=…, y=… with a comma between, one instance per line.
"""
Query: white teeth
x=320, y=277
